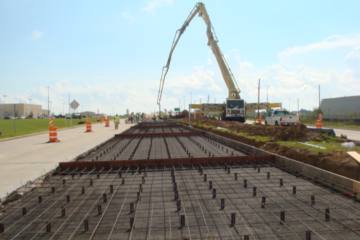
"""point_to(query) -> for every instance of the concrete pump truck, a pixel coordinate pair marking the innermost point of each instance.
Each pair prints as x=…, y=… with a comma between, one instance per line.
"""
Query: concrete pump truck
x=234, y=108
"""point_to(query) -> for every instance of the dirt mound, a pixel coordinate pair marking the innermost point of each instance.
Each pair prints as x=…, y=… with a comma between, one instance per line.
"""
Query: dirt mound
x=200, y=117
x=336, y=162
x=289, y=133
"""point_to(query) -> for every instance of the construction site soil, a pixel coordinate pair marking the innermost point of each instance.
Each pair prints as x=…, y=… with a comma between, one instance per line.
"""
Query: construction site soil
x=335, y=161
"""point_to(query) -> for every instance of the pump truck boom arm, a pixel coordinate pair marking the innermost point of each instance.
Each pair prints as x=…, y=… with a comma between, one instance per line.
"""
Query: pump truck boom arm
x=229, y=79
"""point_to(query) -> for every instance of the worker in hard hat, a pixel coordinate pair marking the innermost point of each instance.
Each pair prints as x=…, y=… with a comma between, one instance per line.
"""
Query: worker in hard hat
x=116, y=121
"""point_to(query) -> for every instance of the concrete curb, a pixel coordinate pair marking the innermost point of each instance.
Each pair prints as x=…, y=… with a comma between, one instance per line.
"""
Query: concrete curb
x=350, y=129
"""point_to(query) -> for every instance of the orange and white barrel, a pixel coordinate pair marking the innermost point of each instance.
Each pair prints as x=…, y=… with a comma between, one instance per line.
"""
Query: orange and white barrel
x=88, y=126
x=107, y=122
x=53, y=134
x=259, y=119
x=50, y=122
x=318, y=124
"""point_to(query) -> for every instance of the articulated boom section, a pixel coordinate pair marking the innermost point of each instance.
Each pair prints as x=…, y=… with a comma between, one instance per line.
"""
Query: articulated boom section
x=235, y=109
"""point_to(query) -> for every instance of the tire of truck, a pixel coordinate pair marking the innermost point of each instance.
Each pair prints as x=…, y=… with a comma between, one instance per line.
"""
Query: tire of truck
x=276, y=123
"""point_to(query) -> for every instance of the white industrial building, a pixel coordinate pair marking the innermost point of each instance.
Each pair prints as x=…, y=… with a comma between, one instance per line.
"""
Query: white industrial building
x=22, y=109
x=341, y=108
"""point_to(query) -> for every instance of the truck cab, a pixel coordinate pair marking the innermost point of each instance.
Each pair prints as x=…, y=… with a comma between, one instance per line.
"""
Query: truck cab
x=282, y=118
x=235, y=110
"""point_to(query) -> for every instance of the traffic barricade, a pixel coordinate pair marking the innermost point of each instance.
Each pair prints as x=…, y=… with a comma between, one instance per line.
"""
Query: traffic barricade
x=88, y=126
x=53, y=134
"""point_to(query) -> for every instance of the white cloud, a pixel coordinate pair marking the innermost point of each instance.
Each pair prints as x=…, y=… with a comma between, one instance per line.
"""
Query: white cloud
x=154, y=4
x=331, y=42
x=200, y=79
x=136, y=96
x=355, y=53
x=127, y=16
x=36, y=35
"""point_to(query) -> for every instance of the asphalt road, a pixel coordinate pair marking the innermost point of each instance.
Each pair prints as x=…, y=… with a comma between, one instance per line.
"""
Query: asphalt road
x=27, y=158
x=351, y=134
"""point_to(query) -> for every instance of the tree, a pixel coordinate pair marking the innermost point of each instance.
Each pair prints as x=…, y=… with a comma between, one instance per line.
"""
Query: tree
x=269, y=112
x=353, y=114
x=317, y=111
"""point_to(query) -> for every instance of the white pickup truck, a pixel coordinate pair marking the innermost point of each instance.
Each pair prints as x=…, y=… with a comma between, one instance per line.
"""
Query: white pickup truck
x=282, y=118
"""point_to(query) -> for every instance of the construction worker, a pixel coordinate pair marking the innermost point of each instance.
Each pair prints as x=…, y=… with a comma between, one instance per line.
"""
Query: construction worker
x=154, y=118
x=116, y=121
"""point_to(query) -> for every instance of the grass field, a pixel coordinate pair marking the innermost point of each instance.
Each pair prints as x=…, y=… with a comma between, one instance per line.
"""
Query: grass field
x=28, y=126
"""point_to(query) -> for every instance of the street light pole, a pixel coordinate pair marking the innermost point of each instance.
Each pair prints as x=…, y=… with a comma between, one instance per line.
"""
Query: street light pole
x=50, y=108
x=63, y=109
x=30, y=106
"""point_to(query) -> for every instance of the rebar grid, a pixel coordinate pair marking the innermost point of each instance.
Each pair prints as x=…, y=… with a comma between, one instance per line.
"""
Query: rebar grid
x=8, y=207
x=334, y=196
x=122, y=205
x=42, y=203
x=203, y=201
x=306, y=212
x=215, y=206
x=135, y=148
x=203, y=215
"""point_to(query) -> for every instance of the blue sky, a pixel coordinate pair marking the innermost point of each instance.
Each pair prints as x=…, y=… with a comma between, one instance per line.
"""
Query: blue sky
x=109, y=54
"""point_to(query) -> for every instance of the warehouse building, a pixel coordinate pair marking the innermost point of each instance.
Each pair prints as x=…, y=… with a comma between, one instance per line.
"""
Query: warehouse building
x=22, y=109
x=341, y=108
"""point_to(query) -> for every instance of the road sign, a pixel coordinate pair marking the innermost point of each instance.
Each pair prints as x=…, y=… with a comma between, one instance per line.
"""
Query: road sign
x=74, y=104
x=177, y=109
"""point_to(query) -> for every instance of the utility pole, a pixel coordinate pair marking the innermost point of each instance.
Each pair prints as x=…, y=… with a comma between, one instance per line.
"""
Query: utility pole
x=14, y=120
x=258, y=98
x=319, y=98
x=289, y=105
x=63, y=109
x=48, y=102
x=298, y=107
x=190, y=100
x=4, y=103
x=30, y=106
